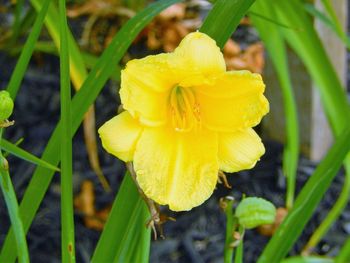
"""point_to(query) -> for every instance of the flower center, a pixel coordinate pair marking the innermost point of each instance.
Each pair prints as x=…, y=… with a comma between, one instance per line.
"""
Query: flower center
x=184, y=109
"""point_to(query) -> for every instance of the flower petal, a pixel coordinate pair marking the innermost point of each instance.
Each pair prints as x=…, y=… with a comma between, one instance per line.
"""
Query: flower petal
x=177, y=169
x=197, y=54
x=239, y=150
x=233, y=102
x=119, y=136
x=145, y=85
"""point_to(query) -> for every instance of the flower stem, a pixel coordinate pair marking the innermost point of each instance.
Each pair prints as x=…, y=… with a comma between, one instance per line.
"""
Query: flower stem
x=12, y=206
x=231, y=224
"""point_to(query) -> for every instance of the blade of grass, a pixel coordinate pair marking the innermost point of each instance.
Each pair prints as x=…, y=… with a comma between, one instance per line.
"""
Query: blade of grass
x=142, y=251
x=67, y=220
x=307, y=201
x=117, y=228
x=275, y=45
x=333, y=24
x=344, y=254
x=232, y=12
x=20, y=153
x=12, y=207
x=334, y=18
x=22, y=63
x=80, y=103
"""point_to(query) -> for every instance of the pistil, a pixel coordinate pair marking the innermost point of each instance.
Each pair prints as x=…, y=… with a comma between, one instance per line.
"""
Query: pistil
x=184, y=109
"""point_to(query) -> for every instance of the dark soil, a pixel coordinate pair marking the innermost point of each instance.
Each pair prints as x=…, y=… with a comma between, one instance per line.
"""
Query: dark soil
x=196, y=236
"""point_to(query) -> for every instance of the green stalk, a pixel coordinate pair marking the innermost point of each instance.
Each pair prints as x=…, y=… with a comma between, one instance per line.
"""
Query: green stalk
x=12, y=206
x=231, y=223
x=239, y=249
x=67, y=220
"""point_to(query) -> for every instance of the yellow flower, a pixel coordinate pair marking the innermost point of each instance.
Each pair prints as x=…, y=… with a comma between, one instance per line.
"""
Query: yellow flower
x=186, y=118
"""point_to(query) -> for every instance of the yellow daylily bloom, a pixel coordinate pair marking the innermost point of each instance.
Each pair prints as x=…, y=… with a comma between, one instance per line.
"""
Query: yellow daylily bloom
x=186, y=118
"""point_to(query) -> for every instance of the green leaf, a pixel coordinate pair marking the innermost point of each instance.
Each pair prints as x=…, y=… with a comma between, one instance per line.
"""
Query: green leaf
x=121, y=233
x=274, y=43
x=9, y=194
x=344, y=253
x=67, y=213
x=20, y=153
x=307, y=201
x=310, y=8
x=332, y=22
x=224, y=18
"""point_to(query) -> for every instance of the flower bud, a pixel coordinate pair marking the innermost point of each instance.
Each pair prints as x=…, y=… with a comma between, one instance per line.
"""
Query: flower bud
x=253, y=211
x=6, y=105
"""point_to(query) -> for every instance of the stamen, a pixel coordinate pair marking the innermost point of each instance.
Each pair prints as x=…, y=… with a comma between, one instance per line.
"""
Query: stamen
x=184, y=109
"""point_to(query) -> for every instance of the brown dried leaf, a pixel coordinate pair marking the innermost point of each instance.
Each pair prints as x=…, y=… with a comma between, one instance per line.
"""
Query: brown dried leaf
x=231, y=49
x=84, y=202
x=174, y=12
x=250, y=59
x=254, y=56
x=91, y=146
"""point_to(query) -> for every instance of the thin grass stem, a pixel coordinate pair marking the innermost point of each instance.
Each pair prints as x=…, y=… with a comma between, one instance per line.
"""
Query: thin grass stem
x=12, y=206
x=231, y=224
x=344, y=254
x=67, y=219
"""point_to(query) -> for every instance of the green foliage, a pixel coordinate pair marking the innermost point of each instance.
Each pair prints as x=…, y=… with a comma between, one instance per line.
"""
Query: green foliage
x=275, y=45
x=12, y=207
x=24, y=155
x=307, y=201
